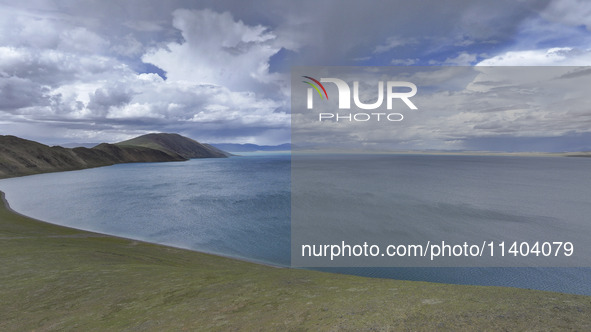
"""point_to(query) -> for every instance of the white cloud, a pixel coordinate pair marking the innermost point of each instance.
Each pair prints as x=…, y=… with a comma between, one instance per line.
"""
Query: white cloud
x=71, y=82
x=216, y=49
x=391, y=43
x=557, y=56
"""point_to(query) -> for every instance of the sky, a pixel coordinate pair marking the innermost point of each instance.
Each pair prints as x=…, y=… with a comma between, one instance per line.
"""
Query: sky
x=219, y=71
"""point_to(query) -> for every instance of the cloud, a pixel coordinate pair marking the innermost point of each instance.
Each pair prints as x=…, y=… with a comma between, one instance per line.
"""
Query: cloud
x=462, y=59
x=403, y=62
x=75, y=83
x=557, y=35
x=519, y=102
x=117, y=97
x=216, y=49
x=556, y=56
x=145, y=26
x=128, y=46
x=105, y=98
x=392, y=43
x=570, y=12
x=80, y=40
x=17, y=93
x=219, y=70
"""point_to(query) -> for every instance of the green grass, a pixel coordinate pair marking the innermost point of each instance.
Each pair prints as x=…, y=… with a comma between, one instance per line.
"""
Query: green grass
x=56, y=278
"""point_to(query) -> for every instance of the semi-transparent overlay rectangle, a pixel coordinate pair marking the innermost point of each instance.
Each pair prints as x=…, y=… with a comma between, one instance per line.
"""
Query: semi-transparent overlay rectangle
x=378, y=182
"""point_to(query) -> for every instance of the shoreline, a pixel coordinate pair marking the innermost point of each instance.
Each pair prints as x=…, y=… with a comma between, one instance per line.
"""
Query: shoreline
x=260, y=262
x=7, y=206
x=60, y=278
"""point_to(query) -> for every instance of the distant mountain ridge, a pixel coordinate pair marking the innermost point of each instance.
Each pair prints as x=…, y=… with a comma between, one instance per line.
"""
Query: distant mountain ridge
x=175, y=145
x=78, y=145
x=233, y=147
x=24, y=157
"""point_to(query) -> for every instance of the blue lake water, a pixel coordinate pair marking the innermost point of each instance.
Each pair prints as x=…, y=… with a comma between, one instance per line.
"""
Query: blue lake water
x=240, y=207
x=237, y=206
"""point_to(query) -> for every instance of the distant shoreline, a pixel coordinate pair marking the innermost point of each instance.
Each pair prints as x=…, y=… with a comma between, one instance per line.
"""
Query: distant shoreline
x=450, y=153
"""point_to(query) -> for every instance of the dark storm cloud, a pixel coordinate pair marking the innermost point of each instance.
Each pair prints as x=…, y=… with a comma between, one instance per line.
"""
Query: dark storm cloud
x=104, y=98
x=16, y=93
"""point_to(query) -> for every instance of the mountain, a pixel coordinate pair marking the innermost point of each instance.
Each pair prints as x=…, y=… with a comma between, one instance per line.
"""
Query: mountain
x=579, y=154
x=175, y=145
x=79, y=145
x=232, y=147
x=24, y=157
x=213, y=148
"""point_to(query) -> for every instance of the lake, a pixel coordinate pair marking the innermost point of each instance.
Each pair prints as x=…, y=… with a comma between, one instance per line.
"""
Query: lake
x=240, y=207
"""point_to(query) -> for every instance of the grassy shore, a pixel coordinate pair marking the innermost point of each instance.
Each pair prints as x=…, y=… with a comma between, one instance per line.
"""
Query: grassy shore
x=57, y=278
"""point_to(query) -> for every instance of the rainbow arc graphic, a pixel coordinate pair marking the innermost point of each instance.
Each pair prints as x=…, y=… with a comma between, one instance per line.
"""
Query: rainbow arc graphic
x=316, y=86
